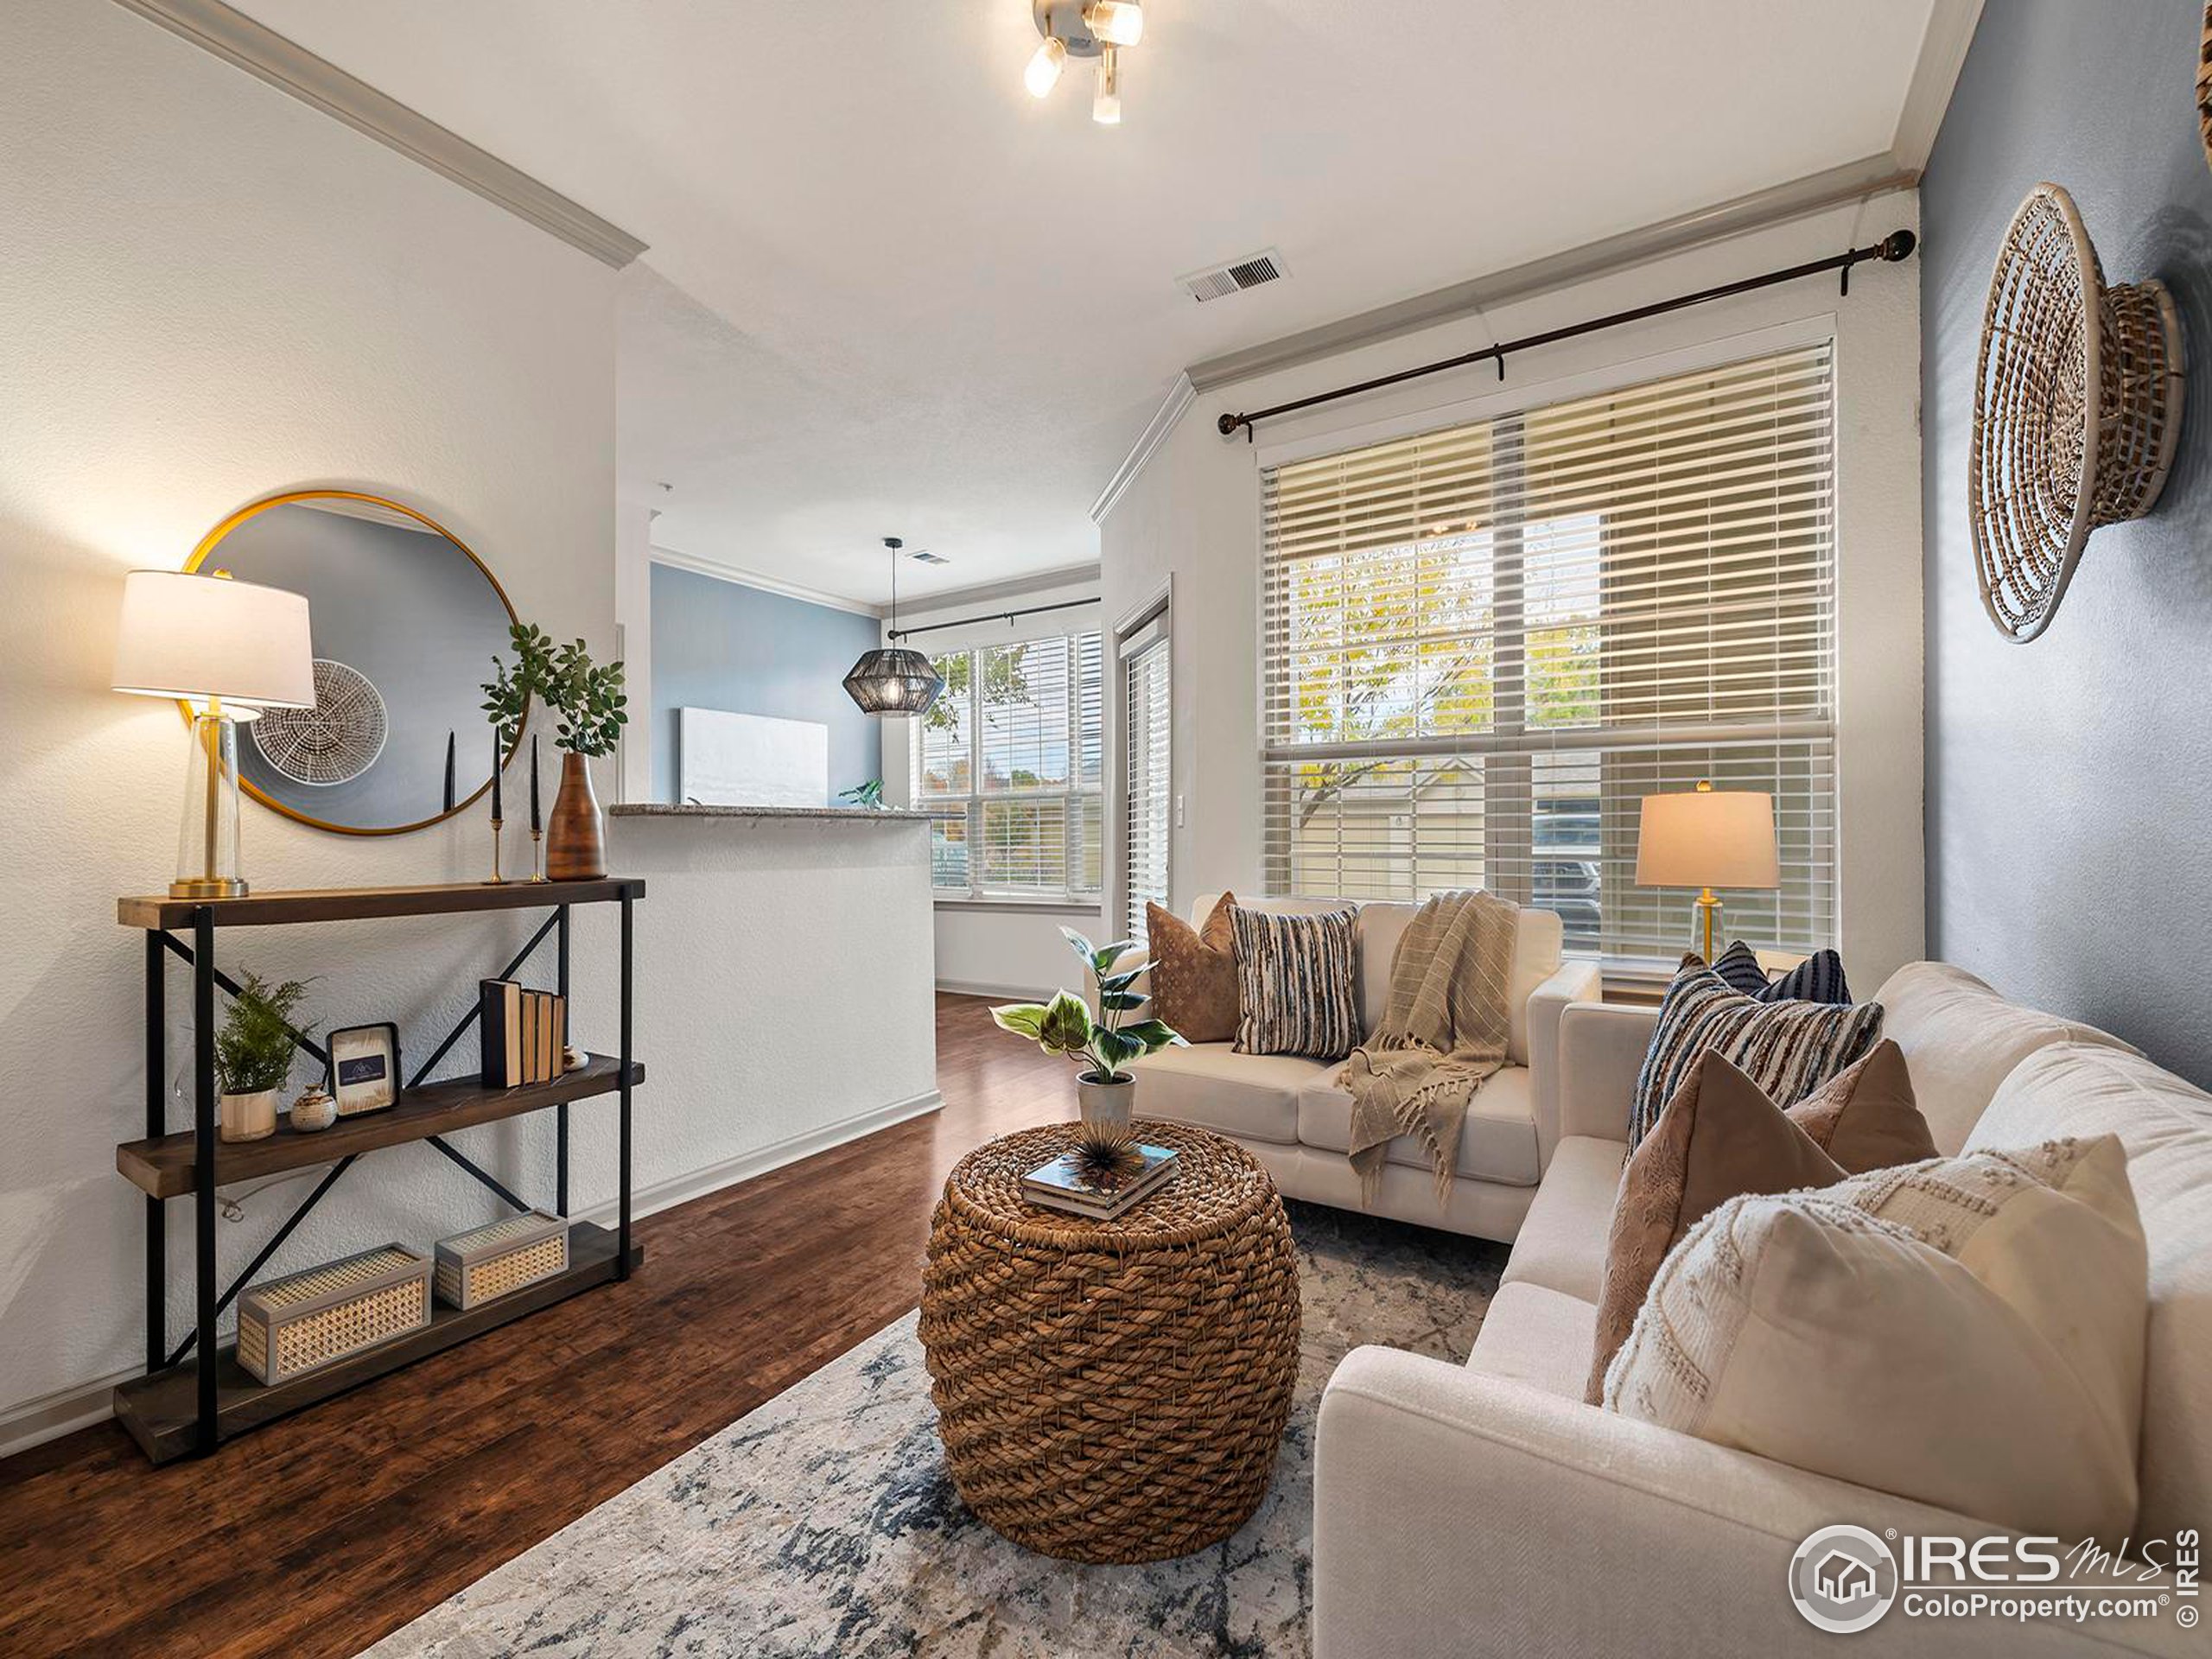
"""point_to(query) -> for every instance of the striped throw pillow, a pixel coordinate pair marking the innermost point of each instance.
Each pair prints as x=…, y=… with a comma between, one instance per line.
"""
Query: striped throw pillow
x=1789, y=1049
x=1295, y=984
x=1819, y=978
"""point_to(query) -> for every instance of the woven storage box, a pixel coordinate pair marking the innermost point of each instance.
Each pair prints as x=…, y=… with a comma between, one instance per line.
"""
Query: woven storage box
x=489, y=1262
x=299, y=1324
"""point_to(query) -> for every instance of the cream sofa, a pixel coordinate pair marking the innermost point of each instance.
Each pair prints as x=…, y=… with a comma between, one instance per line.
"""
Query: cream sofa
x=1288, y=1112
x=1483, y=1508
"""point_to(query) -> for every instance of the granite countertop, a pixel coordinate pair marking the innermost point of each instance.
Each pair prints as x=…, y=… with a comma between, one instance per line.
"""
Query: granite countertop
x=856, y=814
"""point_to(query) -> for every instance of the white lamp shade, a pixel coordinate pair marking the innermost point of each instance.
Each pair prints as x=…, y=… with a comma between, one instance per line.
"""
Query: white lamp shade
x=185, y=635
x=1708, y=838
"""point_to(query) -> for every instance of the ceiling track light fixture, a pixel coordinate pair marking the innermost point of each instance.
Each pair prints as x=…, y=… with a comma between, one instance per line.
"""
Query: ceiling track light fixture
x=1084, y=29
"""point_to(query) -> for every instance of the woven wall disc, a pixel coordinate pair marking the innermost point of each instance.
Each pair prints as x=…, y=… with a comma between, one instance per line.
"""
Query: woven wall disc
x=333, y=742
x=2077, y=406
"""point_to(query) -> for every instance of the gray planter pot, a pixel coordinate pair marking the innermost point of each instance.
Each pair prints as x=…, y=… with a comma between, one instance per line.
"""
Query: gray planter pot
x=1109, y=1110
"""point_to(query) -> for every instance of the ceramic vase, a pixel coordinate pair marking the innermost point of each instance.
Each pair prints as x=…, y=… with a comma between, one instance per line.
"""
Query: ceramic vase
x=575, y=837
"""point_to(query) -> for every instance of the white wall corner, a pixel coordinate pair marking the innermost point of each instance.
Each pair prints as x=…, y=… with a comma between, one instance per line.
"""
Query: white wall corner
x=633, y=625
x=1172, y=409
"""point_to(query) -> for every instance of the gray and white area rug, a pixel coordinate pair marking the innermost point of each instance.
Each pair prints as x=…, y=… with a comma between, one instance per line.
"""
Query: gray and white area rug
x=824, y=1522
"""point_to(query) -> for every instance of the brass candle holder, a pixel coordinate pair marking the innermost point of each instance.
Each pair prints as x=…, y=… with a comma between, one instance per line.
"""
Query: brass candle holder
x=497, y=881
x=537, y=856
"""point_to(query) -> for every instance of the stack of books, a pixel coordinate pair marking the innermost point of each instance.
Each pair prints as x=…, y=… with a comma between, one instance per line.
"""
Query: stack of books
x=523, y=1034
x=1070, y=1184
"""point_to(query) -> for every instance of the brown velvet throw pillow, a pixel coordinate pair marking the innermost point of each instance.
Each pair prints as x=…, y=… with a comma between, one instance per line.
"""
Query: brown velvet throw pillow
x=1718, y=1138
x=1194, y=972
x=1866, y=1117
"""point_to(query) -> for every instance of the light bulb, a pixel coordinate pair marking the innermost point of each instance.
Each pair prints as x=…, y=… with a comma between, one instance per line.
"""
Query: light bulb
x=1044, y=71
x=1106, y=105
x=1117, y=22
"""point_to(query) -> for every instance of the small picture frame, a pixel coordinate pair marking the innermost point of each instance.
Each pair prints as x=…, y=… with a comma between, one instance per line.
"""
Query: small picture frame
x=365, y=1068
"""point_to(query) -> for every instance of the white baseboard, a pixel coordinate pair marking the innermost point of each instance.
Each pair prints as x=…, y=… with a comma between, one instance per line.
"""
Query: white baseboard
x=64, y=1411
x=971, y=988
x=712, y=1178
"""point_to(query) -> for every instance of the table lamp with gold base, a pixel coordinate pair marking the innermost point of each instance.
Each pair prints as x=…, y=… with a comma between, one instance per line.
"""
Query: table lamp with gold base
x=1706, y=838
x=228, y=650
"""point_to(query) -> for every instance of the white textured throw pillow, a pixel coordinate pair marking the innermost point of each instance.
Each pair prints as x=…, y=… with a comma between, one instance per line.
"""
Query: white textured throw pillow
x=1968, y=1332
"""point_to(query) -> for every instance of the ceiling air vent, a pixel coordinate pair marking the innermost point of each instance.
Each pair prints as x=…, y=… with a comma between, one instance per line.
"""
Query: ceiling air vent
x=923, y=556
x=1217, y=282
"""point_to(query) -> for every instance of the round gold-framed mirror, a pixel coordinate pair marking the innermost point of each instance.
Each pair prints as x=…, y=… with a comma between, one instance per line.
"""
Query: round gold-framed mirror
x=405, y=620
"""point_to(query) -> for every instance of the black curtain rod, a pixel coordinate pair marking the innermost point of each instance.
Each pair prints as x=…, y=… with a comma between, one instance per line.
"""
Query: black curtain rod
x=1897, y=244
x=993, y=616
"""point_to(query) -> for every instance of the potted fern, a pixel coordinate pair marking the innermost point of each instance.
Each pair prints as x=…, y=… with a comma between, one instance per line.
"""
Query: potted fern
x=253, y=1056
x=587, y=700
x=1103, y=1046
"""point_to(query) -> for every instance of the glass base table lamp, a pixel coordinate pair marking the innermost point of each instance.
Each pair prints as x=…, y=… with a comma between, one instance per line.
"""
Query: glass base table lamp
x=228, y=650
x=1706, y=838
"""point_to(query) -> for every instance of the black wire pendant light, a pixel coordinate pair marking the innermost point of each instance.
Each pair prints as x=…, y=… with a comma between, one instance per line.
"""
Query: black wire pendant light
x=893, y=680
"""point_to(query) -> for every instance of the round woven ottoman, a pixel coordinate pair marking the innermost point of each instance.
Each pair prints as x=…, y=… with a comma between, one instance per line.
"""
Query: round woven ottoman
x=1112, y=1391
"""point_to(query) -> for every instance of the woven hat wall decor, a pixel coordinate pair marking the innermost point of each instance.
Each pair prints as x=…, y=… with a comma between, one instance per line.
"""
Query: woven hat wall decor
x=2077, y=405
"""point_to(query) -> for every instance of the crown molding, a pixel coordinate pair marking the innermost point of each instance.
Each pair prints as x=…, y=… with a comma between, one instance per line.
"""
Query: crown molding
x=1173, y=407
x=1951, y=24
x=744, y=578
x=1853, y=181
x=260, y=51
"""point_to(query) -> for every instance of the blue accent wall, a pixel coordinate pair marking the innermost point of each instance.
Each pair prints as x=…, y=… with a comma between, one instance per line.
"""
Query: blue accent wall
x=2070, y=780
x=721, y=644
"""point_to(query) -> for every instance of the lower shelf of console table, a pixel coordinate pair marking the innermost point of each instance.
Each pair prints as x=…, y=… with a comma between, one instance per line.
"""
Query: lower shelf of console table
x=160, y=1409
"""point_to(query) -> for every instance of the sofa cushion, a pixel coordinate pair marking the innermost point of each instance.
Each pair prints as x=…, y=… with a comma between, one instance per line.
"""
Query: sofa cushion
x=1789, y=1049
x=1562, y=1245
x=1865, y=1117
x=1966, y=1332
x=1297, y=983
x=2166, y=1128
x=1498, y=1143
x=1538, y=951
x=1961, y=1038
x=1194, y=972
x=1536, y=1336
x=1251, y=1095
x=1720, y=1138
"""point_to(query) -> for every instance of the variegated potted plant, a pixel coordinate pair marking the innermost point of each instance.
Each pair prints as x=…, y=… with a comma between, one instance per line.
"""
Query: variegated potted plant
x=1103, y=1044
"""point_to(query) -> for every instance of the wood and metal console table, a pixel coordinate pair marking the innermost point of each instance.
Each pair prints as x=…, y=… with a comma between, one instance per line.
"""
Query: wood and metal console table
x=196, y=1396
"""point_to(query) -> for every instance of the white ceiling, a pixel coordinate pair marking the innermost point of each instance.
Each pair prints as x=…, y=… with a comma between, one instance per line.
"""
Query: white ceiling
x=888, y=293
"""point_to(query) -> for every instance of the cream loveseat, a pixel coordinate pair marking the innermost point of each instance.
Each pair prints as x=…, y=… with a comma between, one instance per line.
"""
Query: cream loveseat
x=1289, y=1113
x=1485, y=1508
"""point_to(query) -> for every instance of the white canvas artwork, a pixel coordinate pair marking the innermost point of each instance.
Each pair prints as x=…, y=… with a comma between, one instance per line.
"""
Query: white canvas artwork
x=727, y=760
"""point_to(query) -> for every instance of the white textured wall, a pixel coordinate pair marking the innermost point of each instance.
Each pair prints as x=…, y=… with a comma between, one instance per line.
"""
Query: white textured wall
x=783, y=971
x=211, y=292
x=1194, y=514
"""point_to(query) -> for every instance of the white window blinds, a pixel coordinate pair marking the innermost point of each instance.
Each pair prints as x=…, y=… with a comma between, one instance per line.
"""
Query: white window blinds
x=1009, y=762
x=1145, y=786
x=1484, y=645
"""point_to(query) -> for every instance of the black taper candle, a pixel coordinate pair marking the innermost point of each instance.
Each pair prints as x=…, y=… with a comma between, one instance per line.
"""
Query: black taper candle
x=534, y=824
x=450, y=737
x=496, y=814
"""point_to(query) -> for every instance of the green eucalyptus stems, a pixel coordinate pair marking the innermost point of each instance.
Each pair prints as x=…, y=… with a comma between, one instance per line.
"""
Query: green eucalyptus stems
x=1065, y=1024
x=587, y=700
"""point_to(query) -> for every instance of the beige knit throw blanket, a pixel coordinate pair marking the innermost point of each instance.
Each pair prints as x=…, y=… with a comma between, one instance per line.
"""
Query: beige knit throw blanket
x=1442, y=1038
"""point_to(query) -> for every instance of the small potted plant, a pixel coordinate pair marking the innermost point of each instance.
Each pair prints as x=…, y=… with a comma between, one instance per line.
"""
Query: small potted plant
x=588, y=702
x=1101, y=1045
x=253, y=1056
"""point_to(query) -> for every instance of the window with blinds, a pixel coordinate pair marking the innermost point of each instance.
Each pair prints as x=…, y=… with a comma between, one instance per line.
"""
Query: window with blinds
x=1484, y=645
x=1009, y=762
x=1145, y=786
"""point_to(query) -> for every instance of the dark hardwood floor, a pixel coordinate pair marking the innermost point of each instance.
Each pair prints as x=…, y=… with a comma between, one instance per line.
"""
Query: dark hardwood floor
x=321, y=1533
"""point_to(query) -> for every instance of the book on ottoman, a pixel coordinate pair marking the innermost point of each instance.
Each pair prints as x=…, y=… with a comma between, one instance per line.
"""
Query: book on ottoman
x=1071, y=1184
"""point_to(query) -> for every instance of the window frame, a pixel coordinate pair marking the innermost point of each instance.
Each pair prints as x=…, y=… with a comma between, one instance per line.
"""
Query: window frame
x=1497, y=408
x=967, y=809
